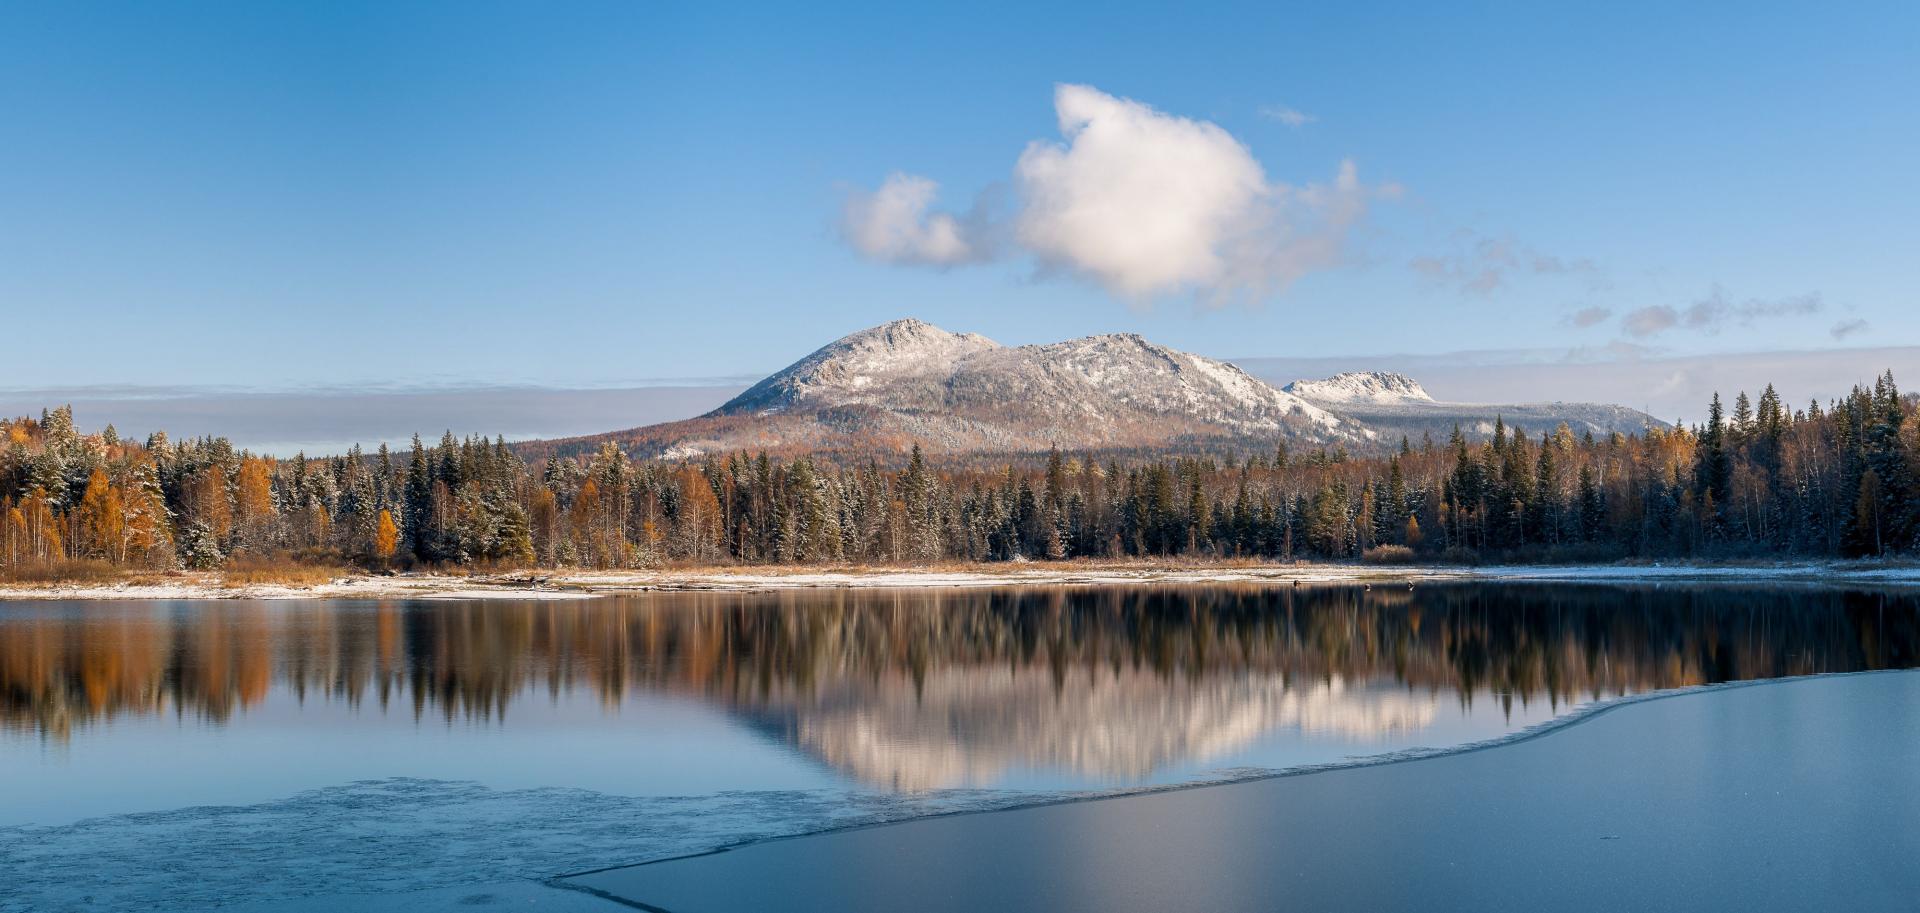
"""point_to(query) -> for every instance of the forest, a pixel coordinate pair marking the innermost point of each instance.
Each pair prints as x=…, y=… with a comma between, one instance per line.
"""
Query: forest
x=1762, y=480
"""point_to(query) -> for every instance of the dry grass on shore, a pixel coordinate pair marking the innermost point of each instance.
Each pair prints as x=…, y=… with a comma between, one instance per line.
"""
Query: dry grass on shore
x=242, y=573
x=78, y=570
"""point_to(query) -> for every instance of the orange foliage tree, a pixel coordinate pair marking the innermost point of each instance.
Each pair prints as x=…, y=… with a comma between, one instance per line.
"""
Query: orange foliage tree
x=103, y=519
x=386, y=537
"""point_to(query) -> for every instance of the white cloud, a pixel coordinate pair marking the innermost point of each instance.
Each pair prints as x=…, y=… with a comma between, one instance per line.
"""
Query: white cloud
x=1141, y=202
x=1147, y=203
x=893, y=225
x=1291, y=117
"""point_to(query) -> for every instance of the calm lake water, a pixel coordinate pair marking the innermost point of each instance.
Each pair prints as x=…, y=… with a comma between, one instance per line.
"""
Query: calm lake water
x=613, y=730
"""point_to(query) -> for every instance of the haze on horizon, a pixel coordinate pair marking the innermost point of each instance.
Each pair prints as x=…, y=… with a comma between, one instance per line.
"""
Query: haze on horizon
x=353, y=221
x=329, y=420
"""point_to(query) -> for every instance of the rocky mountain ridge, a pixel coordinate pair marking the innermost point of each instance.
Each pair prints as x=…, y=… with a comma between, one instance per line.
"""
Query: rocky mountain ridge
x=1361, y=387
x=889, y=387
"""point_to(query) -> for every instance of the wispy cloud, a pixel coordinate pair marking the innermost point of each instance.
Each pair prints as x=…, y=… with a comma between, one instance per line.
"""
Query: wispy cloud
x=1717, y=311
x=1650, y=321
x=1846, y=328
x=1481, y=265
x=1141, y=202
x=1614, y=350
x=1291, y=117
x=1590, y=316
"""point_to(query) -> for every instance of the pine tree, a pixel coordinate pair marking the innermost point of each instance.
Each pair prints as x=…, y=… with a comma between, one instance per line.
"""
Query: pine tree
x=1593, y=507
x=419, y=505
x=1713, y=471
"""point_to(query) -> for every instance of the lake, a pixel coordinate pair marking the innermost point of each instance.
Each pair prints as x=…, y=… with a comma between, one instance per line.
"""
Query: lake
x=164, y=755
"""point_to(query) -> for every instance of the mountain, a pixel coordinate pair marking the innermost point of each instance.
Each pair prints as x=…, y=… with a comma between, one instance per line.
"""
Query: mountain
x=902, y=364
x=909, y=381
x=1361, y=387
x=889, y=387
x=1394, y=406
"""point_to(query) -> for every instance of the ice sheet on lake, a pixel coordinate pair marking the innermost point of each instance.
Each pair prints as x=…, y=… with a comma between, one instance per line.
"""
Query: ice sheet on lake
x=390, y=836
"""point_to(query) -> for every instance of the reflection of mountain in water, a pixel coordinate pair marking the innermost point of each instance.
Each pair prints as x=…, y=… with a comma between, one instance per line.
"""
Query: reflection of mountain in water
x=969, y=726
x=925, y=687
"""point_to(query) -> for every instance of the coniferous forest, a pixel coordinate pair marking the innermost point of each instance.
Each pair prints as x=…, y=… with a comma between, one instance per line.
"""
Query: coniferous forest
x=1761, y=480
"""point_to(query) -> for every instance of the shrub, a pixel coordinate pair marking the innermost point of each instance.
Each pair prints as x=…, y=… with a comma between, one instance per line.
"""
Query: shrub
x=249, y=570
x=1387, y=554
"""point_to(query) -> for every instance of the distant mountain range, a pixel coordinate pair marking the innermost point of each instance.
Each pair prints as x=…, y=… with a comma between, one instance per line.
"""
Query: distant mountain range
x=907, y=382
x=1393, y=406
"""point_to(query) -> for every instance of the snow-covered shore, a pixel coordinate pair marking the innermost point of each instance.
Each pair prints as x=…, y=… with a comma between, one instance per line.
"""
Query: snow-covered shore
x=582, y=584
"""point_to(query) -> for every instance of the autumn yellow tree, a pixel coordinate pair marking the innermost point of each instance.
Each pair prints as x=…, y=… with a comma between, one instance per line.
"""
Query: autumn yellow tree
x=698, y=529
x=103, y=519
x=146, y=534
x=42, y=527
x=13, y=536
x=543, y=521
x=207, y=503
x=253, y=507
x=386, y=537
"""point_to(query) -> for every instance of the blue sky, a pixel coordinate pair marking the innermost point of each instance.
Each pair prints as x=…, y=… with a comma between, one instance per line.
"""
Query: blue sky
x=283, y=195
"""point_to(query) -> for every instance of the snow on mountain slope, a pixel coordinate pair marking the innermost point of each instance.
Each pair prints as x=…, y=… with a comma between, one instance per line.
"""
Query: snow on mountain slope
x=1394, y=405
x=886, y=388
x=871, y=366
x=1109, y=380
x=909, y=381
x=1361, y=387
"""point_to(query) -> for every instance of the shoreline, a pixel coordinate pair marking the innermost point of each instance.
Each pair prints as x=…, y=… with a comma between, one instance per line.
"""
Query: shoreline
x=588, y=584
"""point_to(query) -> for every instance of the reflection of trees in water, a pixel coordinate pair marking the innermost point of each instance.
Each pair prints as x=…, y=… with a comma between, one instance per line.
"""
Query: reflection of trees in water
x=789, y=651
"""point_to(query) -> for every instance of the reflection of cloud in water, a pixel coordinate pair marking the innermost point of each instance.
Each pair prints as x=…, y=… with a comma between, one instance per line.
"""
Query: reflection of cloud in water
x=970, y=726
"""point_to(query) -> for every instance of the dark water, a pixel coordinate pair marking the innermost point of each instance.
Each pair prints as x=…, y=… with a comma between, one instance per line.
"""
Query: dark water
x=710, y=717
x=883, y=689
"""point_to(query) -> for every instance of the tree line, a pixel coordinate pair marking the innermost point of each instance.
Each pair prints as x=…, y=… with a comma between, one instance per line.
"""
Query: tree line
x=1764, y=480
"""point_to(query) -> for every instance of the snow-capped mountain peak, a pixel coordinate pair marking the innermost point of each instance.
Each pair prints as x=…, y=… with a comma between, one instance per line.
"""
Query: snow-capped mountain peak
x=912, y=380
x=869, y=360
x=908, y=381
x=1361, y=387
